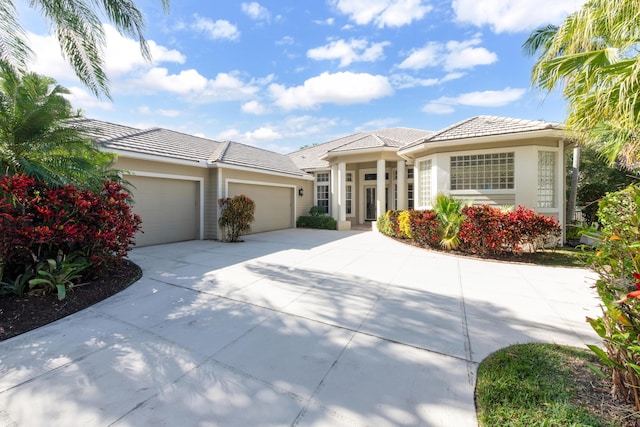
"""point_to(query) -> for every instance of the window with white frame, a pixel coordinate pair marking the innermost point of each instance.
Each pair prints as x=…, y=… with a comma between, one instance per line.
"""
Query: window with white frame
x=546, y=179
x=322, y=190
x=349, y=192
x=410, y=195
x=424, y=177
x=493, y=171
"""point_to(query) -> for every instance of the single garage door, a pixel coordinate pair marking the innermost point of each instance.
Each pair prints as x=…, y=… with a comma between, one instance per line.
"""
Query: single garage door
x=274, y=205
x=168, y=207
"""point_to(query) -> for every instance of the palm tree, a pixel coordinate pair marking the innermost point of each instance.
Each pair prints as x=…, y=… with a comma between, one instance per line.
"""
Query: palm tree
x=449, y=213
x=36, y=138
x=79, y=31
x=593, y=57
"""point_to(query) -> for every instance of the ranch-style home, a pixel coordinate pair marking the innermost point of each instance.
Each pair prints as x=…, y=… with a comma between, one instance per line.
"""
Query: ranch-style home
x=178, y=178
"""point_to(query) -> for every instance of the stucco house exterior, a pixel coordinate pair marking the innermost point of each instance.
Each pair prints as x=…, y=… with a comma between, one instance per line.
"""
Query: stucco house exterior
x=494, y=160
x=178, y=178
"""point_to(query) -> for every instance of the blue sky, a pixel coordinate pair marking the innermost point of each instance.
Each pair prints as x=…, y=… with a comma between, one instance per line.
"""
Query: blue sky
x=283, y=74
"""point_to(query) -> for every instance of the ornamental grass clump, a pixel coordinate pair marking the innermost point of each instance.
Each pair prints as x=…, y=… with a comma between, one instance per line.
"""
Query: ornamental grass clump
x=617, y=262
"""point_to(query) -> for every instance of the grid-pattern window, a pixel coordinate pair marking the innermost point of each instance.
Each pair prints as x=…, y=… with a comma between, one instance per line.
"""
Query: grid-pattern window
x=424, y=175
x=322, y=190
x=410, y=173
x=410, y=195
x=349, y=193
x=546, y=179
x=482, y=172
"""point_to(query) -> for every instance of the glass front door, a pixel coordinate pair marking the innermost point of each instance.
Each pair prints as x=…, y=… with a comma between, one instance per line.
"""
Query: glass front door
x=370, y=203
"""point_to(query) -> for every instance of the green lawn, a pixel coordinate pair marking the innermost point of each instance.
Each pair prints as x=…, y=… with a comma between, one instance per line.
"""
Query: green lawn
x=540, y=385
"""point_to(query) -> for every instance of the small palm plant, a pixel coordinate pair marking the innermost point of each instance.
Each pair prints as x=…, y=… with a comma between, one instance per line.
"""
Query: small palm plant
x=449, y=213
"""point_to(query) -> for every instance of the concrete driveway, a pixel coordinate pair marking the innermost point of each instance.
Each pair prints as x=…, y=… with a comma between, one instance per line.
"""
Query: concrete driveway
x=296, y=327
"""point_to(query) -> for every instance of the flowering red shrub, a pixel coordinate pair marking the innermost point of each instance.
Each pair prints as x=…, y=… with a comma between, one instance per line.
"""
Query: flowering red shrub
x=39, y=223
x=424, y=227
x=487, y=230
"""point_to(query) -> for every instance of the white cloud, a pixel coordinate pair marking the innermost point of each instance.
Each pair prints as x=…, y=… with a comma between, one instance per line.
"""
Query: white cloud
x=146, y=110
x=383, y=13
x=453, y=55
x=80, y=98
x=406, y=81
x=514, y=15
x=253, y=107
x=328, y=21
x=219, y=29
x=339, y=88
x=291, y=133
x=183, y=83
x=487, y=98
x=354, y=50
x=256, y=11
x=121, y=55
x=194, y=86
x=286, y=40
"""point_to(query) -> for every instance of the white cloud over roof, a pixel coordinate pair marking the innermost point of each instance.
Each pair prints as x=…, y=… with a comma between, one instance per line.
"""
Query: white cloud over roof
x=341, y=88
x=487, y=98
x=453, y=55
x=513, y=16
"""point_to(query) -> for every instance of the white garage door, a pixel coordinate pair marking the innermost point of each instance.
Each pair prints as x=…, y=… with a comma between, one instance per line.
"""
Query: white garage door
x=168, y=207
x=274, y=205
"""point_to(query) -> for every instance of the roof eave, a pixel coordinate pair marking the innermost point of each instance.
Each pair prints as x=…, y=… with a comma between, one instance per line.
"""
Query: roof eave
x=513, y=136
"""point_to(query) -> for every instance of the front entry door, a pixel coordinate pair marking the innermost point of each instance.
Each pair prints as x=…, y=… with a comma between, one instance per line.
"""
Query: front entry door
x=370, y=203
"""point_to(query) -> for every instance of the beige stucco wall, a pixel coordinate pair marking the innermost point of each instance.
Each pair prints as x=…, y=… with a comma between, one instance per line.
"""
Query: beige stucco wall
x=300, y=205
x=525, y=190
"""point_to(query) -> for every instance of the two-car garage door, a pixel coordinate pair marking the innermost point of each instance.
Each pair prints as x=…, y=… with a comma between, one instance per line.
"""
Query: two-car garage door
x=169, y=209
x=274, y=205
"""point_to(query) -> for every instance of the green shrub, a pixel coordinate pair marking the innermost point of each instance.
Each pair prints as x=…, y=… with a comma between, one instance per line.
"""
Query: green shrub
x=313, y=221
x=316, y=211
x=384, y=225
x=617, y=262
x=404, y=225
x=236, y=216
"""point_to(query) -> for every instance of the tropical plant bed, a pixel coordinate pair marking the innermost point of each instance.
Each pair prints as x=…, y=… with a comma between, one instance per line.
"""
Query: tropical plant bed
x=22, y=314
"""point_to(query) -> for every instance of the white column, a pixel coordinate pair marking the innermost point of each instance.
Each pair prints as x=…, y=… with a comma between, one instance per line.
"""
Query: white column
x=342, y=191
x=334, y=192
x=380, y=193
x=401, y=183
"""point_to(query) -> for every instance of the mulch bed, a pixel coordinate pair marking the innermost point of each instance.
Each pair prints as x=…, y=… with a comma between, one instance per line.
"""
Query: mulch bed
x=22, y=314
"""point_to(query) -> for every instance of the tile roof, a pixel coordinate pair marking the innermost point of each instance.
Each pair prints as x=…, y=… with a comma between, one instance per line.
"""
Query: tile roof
x=177, y=145
x=254, y=157
x=486, y=126
x=310, y=158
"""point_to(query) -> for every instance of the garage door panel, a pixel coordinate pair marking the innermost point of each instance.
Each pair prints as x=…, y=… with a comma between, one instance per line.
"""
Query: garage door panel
x=274, y=205
x=168, y=207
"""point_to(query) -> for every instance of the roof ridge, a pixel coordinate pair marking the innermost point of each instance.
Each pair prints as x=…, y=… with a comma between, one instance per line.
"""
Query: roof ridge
x=222, y=151
x=453, y=126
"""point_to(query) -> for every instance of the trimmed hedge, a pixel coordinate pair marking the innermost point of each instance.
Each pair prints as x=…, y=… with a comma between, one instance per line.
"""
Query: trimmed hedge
x=485, y=230
x=315, y=221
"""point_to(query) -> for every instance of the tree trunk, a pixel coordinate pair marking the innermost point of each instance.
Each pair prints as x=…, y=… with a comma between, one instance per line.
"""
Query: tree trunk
x=575, y=172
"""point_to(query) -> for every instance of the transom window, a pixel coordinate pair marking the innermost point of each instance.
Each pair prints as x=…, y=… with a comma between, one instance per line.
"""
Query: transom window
x=482, y=172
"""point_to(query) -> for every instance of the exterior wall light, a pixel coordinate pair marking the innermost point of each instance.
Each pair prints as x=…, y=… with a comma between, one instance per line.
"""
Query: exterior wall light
x=301, y=192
